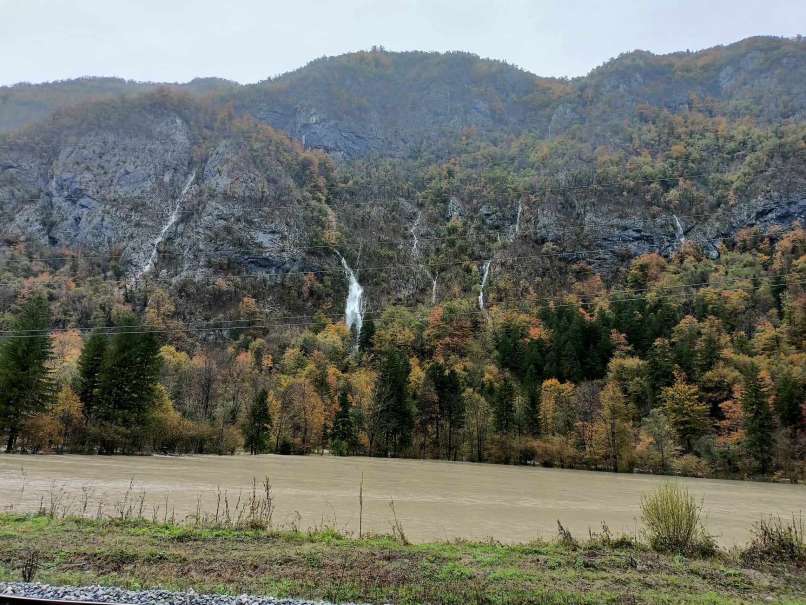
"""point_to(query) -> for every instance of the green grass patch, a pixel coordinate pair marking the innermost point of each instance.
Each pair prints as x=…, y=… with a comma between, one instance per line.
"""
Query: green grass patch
x=378, y=569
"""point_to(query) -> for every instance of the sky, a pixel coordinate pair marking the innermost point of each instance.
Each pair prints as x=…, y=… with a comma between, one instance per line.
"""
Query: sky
x=251, y=40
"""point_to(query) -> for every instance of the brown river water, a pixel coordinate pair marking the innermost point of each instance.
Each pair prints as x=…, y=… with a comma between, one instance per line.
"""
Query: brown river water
x=433, y=500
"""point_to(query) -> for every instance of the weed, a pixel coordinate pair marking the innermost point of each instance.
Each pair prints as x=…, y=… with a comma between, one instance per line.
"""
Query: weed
x=776, y=540
x=673, y=521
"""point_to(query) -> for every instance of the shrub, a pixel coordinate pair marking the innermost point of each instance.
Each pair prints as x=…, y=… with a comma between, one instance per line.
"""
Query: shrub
x=776, y=540
x=556, y=450
x=673, y=522
x=690, y=465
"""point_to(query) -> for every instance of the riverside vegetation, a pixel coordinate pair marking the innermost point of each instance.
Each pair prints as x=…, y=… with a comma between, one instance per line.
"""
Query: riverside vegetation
x=632, y=377
x=603, y=273
x=672, y=561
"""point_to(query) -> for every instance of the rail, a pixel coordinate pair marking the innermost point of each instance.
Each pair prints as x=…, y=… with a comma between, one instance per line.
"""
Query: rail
x=9, y=599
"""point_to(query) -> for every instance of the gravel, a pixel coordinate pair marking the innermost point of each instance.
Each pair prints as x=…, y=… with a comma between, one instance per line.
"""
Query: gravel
x=106, y=594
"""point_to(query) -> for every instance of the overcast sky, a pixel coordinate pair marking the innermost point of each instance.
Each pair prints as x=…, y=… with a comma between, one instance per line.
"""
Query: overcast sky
x=250, y=40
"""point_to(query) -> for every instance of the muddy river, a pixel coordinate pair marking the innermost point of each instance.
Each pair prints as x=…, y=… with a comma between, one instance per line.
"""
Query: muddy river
x=432, y=500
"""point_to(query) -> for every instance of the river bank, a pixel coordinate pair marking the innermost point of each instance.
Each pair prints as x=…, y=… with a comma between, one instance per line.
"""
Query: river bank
x=327, y=565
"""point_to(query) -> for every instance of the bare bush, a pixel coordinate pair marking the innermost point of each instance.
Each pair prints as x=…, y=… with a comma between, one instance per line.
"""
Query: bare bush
x=777, y=540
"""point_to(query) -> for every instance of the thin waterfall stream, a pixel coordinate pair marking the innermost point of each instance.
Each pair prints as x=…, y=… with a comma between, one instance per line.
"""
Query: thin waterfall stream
x=678, y=228
x=152, y=258
x=484, y=277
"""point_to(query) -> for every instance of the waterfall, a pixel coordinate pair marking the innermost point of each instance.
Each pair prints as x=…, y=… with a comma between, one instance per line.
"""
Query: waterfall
x=152, y=259
x=679, y=233
x=485, y=275
x=518, y=217
x=354, y=308
x=415, y=251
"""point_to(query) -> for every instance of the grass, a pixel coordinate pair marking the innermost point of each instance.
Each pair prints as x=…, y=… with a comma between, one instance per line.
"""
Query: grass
x=137, y=553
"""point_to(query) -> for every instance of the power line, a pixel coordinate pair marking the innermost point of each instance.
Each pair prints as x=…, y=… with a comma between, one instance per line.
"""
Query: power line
x=587, y=254
x=613, y=296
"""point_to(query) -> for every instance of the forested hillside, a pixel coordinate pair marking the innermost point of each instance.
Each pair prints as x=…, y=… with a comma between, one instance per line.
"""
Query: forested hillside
x=422, y=255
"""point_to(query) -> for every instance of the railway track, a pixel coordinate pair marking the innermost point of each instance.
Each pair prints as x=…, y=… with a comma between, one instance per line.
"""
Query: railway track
x=7, y=599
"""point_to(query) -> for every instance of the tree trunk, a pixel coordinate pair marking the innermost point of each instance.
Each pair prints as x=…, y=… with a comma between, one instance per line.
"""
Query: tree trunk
x=12, y=439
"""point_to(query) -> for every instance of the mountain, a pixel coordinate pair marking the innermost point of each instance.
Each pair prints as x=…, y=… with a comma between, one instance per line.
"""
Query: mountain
x=24, y=104
x=388, y=103
x=394, y=103
x=162, y=182
x=440, y=165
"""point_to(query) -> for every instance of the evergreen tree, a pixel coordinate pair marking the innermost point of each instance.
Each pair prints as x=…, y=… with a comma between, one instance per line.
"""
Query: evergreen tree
x=395, y=410
x=789, y=398
x=89, y=371
x=258, y=424
x=504, y=406
x=450, y=405
x=343, y=435
x=26, y=386
x=367, y=336
x=758, y=421
x=660, y=369
x=128, y=378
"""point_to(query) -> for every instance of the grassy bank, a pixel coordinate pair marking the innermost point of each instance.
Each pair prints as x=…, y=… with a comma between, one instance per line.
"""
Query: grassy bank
x=140, y=554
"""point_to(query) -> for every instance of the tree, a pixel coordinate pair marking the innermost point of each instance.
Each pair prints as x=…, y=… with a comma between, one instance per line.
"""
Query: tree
x=557, y=411
x=258, y=424
x=614, y=429
x=688, y=415
x=758, y=421
x=450, y=405
x=504, y=405
x=26, y=386
x=89, y=371
x=395, y=412
x=367, y=336
x=479, y=416
x=343, y=436
x=660, y=368
x=68, y=414
x=790, y=397
x=658, y=427
x=128, y=379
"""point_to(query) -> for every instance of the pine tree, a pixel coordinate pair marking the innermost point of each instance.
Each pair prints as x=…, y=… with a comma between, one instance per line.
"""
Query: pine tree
x=343, y=434
x=258, y=424
x=395, y=410
x=128, y=378
x=450, y=405
x=25, y=382
x=789, y=398
x=367, y=335
x=504, y=406
x=89, y=371
x=758, y=421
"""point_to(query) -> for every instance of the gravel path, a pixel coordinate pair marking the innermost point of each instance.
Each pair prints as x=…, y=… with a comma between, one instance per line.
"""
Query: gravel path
x=105, y=594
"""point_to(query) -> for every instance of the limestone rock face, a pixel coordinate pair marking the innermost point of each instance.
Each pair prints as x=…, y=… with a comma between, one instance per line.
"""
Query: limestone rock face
x=164, y=182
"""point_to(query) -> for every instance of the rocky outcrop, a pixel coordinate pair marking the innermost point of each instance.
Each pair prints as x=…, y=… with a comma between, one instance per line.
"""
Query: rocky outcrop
x=170, y=194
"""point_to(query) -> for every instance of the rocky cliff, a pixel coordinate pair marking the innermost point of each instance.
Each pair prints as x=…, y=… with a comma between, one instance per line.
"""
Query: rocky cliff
x=445, y=165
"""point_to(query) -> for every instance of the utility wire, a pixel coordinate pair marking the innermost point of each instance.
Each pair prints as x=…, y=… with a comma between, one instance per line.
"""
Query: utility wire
x=232, y=324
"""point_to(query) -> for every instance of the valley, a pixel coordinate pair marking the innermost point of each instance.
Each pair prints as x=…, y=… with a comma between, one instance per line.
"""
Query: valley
x=415, y=327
